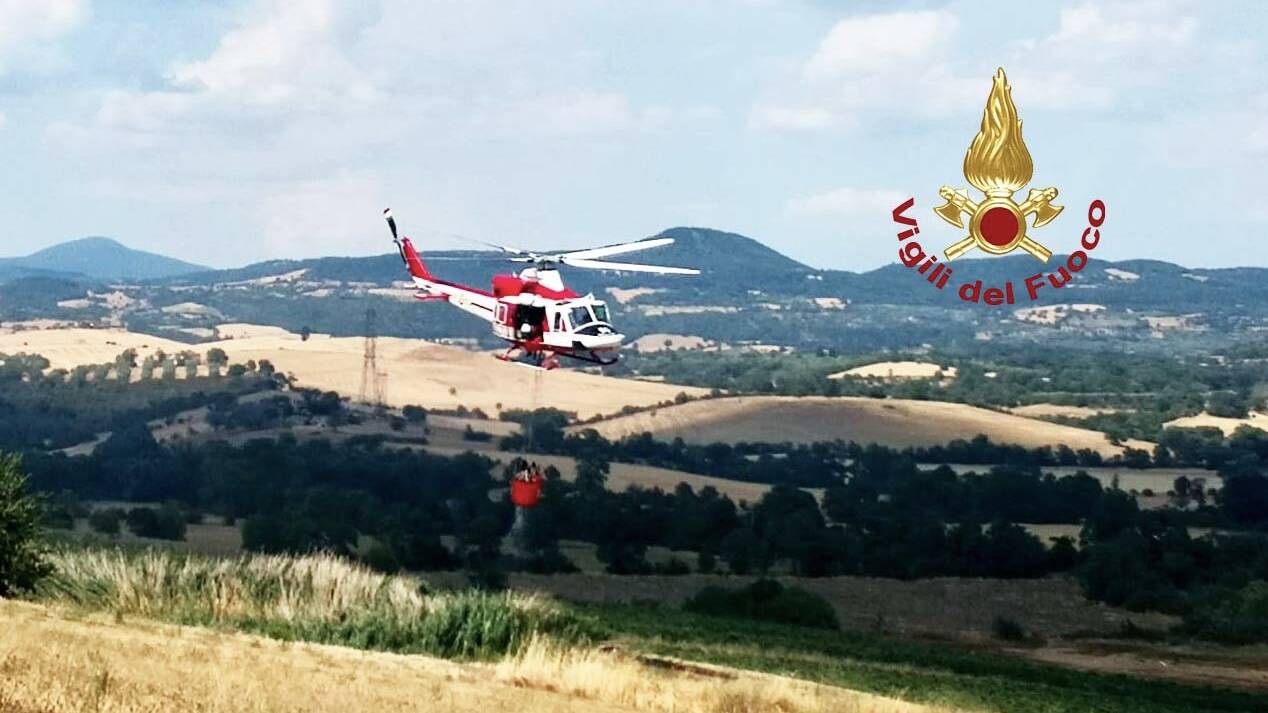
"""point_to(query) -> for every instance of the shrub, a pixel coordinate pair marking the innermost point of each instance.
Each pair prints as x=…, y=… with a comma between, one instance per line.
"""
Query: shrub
x=319, y=598
x=765, y=600
x=1007, y=629
x=22, y=556
x=106, y=520
x=164, y=523
x=674, y=566
x=1231, y=616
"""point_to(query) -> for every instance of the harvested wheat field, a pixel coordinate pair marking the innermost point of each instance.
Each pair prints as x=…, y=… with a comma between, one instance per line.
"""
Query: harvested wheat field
x=891, y=422
x=417, y=372
x=52, y=661
x=1224, y=423
x=897, y=371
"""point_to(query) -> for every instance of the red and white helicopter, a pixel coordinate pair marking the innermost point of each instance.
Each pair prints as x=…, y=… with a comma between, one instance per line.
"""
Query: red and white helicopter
x=541, y=318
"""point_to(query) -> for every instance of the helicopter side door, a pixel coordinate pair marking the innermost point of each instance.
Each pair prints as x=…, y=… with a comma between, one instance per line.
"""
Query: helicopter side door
x=504, y=320
x=560, y=332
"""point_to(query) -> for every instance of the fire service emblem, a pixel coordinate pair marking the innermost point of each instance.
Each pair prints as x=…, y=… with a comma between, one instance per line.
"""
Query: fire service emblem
x=997, y=164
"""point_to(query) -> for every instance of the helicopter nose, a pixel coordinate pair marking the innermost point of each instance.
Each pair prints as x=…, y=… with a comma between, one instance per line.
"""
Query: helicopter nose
x=603, y=341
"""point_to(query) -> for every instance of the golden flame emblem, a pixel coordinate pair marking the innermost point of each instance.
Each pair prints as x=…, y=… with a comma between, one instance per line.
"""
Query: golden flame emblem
x=998, y=164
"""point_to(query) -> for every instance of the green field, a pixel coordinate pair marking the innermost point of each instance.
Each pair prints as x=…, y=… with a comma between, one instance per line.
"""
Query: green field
x=928, y=672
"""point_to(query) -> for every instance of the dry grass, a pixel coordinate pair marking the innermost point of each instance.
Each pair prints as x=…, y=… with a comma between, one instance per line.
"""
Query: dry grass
x=897, y=371
x=418, y=372
x=680, y=687
x=55, y=662
x=892, y=422
x=1225, y=424
x=160, y=584
x=317, y=598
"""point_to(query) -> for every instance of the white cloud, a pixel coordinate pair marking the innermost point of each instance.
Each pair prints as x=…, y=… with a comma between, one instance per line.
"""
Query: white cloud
x=1101, y=48
x=881, y=44
x=925, y=65
x=27, y=26
x=846, y=202
x=869, y=63
x=283, y=58
x=1124, y=27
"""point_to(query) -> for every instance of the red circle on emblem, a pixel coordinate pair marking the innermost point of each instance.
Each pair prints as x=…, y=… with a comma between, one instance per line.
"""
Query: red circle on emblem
x=999, y=226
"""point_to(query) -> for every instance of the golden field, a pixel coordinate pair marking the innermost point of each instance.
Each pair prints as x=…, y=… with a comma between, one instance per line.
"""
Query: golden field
x=444, y=377
x=54, y=660
x=892, y=422
x=418, y=372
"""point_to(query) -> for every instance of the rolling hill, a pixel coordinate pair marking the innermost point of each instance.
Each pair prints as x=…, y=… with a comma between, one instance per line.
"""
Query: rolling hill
x=747, y=293
x=417, y=372
x=807, y=419
x=444, y=377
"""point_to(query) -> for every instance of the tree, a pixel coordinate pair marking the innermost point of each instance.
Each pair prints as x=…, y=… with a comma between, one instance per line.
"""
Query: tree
x=22, y=561
x=1245, y=499
x=190, y=360
x=267, y=370
x=106, y=520
x=216, y=359
x=592, y=474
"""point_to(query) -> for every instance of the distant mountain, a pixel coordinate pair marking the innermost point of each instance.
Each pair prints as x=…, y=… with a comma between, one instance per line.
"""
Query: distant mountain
x=738, y=269
x=98, y=258
x=723, y=253
x=726, y=259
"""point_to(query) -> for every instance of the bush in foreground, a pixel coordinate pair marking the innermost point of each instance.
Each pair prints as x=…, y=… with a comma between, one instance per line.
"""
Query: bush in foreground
x=319, y=598
x=1231, y=616
x=22, y=561
x=765, y=600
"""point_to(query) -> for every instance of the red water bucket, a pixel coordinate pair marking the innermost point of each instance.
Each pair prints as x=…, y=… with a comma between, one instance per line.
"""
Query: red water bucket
x=526, y=493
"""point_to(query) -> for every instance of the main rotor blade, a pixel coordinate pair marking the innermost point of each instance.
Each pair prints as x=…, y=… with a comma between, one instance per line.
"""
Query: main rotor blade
x=619, y=249
x=627, y=266
x=495, y=246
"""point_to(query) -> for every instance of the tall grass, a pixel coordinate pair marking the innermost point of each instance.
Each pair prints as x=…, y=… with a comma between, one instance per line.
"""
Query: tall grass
x=319, y=598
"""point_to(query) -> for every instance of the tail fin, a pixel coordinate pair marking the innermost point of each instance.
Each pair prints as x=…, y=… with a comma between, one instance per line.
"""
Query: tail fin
x=409, y=255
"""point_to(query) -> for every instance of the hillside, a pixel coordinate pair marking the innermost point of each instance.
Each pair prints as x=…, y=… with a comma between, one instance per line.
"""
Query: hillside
x=417, y=372
x=100, y=258
x=891, y=422
x=747, y=293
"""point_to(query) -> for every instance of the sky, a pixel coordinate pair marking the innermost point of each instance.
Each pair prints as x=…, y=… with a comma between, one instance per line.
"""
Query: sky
x=231, y=132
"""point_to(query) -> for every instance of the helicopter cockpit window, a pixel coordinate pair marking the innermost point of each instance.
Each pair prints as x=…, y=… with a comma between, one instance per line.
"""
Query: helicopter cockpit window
x=579, y=316
x=601, y=312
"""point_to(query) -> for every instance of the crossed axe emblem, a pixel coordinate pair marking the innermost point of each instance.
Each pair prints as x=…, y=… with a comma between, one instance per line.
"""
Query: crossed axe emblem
x=997, y=225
